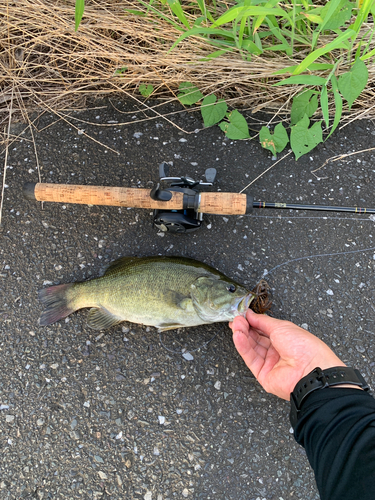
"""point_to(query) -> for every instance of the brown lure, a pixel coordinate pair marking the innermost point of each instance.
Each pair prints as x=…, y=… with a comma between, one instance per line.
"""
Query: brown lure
x=262, y=302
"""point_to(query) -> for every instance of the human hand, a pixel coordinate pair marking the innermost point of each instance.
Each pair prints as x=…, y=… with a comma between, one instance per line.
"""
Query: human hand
x=279, y=353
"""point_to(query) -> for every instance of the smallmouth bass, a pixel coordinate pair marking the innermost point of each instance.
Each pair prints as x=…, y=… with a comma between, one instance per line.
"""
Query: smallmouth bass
x=164, y=292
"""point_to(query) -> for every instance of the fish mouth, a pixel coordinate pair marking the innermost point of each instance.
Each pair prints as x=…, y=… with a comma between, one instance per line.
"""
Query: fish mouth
x=244, y=303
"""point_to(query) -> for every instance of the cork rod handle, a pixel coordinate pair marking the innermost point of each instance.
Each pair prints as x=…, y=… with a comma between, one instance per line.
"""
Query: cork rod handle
x=210, y=203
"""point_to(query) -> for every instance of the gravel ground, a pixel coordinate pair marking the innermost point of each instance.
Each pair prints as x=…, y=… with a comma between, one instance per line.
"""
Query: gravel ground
x=129, y=413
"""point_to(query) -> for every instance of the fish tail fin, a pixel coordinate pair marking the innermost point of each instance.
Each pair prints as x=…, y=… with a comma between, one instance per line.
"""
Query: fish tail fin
x=58, y=303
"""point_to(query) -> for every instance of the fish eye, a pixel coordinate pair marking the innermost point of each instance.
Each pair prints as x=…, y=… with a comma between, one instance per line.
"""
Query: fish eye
x=231, y=288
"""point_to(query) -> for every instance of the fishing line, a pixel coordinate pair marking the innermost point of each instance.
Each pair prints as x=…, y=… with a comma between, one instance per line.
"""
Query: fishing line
x=265, y=273
x=187, y=350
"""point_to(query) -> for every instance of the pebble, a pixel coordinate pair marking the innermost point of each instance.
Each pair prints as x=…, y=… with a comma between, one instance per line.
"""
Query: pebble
x=187, y=356
x=329, y=292
x=75, y=435
x=9, y=418
x=102, y=475
x=148, y=496
x=161, y=420
x=137, y=135
x=185, y=492
x=4, y=407
x=217, y=385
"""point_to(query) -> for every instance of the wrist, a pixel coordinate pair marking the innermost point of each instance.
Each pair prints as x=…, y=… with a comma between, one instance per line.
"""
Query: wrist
x=337, y=376
x=328, y=362
x=347, y=386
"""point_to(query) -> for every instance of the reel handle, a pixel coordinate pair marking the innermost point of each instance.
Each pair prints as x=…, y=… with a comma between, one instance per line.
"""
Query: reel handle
x=209, y=203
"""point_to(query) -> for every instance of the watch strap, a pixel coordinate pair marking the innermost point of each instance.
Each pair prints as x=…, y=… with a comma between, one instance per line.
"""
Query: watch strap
x=320, y=379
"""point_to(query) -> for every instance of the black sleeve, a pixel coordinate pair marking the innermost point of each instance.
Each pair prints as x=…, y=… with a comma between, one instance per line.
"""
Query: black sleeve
x=337, y=429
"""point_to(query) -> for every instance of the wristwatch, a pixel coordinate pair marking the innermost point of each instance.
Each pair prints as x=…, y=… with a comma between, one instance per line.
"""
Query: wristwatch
x=320, y=379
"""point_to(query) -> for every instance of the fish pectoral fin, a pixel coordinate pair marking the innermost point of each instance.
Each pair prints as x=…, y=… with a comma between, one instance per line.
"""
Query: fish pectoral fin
x=177, y=299
x=187, y=305
x=164, y=327
x=101, y=319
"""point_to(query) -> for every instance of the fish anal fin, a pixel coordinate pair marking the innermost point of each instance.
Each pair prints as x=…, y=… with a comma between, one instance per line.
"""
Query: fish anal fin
x=101, y=319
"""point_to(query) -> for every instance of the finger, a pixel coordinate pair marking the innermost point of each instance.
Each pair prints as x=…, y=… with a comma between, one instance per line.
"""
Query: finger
x=263, y=323
x=260, y=339
x=239, y=322
x=245, y=347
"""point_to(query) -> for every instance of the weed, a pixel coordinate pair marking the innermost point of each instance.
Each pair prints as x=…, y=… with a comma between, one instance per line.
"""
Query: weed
x=297, y=31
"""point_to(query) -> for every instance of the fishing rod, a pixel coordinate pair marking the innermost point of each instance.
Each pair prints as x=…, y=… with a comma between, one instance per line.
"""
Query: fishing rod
x=178, y=207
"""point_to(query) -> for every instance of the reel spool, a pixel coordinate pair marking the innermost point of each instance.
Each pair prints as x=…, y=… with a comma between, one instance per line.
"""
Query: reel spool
x=178, y=221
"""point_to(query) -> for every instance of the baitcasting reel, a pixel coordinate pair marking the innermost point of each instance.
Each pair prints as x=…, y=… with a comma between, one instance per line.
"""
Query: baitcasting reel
x=179, y=221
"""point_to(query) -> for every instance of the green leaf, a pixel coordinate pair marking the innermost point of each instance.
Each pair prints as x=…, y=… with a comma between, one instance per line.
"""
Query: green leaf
x=303, y=139
x=305, y=103
x=212, y=113
x=121, y=71
x=275, y=142
x=237, y=127
x=313, y=18
x=251, y=47
x=200, y=31
x=369, y=54
x=80, y=7
x=335, y=14
x=338, y=105
x=189, y=93
x=178, y=11
x=239, y=12
x=353, y=82
x=302, y=80
x=312, y=67
x=324, y=105
x=340, y=42
x=365, y=7
x=215, y=54
x=146, y=90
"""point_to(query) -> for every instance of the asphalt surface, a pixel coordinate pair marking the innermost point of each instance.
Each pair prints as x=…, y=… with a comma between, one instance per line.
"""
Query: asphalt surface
x=122, y=413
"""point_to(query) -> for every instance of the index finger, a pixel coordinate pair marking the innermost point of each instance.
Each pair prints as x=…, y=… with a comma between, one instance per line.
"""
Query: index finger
x=263, y=323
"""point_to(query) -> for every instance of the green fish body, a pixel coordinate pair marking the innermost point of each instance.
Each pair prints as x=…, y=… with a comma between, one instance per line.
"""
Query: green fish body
x=164, y=292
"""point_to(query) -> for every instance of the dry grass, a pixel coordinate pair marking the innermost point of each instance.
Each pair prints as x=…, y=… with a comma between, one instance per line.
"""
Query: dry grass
x=50, y=66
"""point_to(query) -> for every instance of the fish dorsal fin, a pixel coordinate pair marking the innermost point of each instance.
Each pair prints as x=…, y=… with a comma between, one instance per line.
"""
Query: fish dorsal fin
x=119, y=264
x=101, y=319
